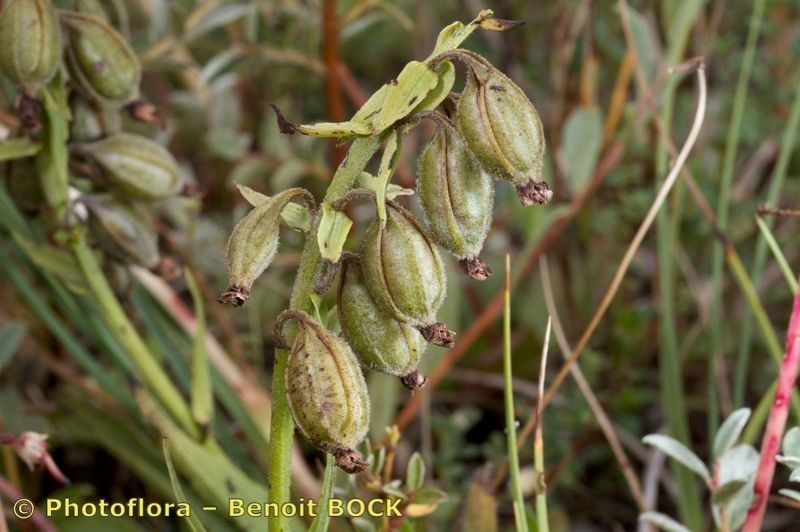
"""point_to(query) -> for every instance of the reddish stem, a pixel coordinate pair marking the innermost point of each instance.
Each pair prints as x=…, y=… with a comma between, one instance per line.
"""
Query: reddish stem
x=330, y=55
x=776, y=423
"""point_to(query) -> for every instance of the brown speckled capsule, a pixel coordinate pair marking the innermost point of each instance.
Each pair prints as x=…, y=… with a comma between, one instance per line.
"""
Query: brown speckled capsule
x=405, y=274
x=325, y=389
x=379, y=341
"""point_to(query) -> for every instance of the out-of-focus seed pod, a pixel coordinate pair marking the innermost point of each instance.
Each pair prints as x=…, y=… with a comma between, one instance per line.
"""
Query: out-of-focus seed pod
x=405, y=274
x=124, y=231
x=135, y=166
x=90, y=7
x=379, y=341
x=325, y=389
x=503, y=128
x=30, y=42
x=89, y=123
x=118, y=276
x=102, y=63
x=254, y=243
x=457, y=197
x=24, y=185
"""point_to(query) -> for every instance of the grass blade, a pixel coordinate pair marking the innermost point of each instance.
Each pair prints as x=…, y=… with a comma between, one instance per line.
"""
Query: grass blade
x=202, y=392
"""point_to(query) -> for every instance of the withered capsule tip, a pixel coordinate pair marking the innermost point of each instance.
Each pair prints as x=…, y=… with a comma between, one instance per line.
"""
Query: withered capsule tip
x=534, y=192
x=145, y=112
x=28, y=111
x=475, y=268
x=235, y=295
x=349, y=460
x=168, y=269
x=414, y=380
x=438, y=334
x=285, y=127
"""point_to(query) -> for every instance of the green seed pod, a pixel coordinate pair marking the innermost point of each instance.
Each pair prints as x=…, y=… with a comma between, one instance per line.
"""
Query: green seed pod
x=457, y=197
x=503, y=129
x=405, y=274
x=30, y=42
x=124, y=231
x=254, y=243
x=378, y=340
x=102, y=63
x=325, y=389
x=135, y=166
x=24, y=186
x=90, y=7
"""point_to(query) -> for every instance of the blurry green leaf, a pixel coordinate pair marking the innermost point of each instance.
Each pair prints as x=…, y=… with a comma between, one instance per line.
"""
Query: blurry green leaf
x=220, y=62
x=645, y=41
x=293, y=215
x=737, y=464
x=480, y=509
x=202, y=392
x=18, y=148
x=393, y=489
x=361, y=524
x=727, y=491
x=332, y=233
x=678, y=451
x=215, y=19
x=791, y=443
x=192, y=520
x=424, y=502
x=789, y=461
x=795, y=475
x=56, y=261
x=227, y=143
x=288, y=173
x=97, y=523
x=412, y=85
x=792, y=494
x=580, y=144
x=664, y=522
x=453, y=35
x=415, y=472
x=321, y=521
x=730, y=430
x=370, y=182
x=11, y=334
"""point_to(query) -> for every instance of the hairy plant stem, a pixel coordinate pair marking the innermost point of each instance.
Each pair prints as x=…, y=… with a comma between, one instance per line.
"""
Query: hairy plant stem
x=282, y=425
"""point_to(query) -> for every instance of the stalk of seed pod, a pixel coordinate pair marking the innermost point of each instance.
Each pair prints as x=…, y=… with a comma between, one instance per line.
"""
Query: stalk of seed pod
x=405, y=274
x=457, y=197
x=379, y=341
x=124, y=231
x=100, y=60
x=502, y=127
x=135, y=165
x=253, y=244
x=30, y=50
x=325, y=389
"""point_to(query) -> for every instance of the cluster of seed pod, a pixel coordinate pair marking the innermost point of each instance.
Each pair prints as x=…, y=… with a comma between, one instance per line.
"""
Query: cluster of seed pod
x=81, y=49
x=388, y=295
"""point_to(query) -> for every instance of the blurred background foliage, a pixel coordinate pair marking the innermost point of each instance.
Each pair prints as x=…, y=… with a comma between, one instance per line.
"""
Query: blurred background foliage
x=212, y=68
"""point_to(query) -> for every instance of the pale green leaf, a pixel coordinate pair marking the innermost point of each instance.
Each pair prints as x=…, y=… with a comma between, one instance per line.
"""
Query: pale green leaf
x=580, y=144
x=678, y=451
x=730, y=430
x=662, y=521
x=334, y=227
x=411, y=87
x=415, y=472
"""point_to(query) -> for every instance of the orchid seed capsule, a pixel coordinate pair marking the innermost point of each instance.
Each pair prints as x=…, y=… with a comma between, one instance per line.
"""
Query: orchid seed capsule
x=503, y=129
x=405, y=274
x=135, y=165
x=457, y=197
x=124, y=231
x=253, y=244
x=325, y=389
x=30, y=42
x=379, y=341
x=101, y=62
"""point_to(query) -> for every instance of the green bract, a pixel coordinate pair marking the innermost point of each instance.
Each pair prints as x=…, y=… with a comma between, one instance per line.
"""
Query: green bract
x=135, y=165
x=404, y=273
x=378, y=340
x=30, y=42
x=123, y=231
x=502, y=127
x=457, y=198
x=325, y=389
x=102, y=63
x=254, y=242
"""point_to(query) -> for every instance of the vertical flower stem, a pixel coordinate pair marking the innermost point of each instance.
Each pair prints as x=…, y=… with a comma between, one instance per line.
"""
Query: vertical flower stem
x=776, y=422
x=542, y=524
x=282, y=425
x=511, y=427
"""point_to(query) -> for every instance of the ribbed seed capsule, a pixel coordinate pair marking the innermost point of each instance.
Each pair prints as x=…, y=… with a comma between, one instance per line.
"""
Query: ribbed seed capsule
x=253, y=244
x=30, y=42
x=457, y=197
x=101, y=62
x=135, y=166
x=503, y=129
x=124, y=231
x=325, y=390
x=379, y=341
x=405, y=274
